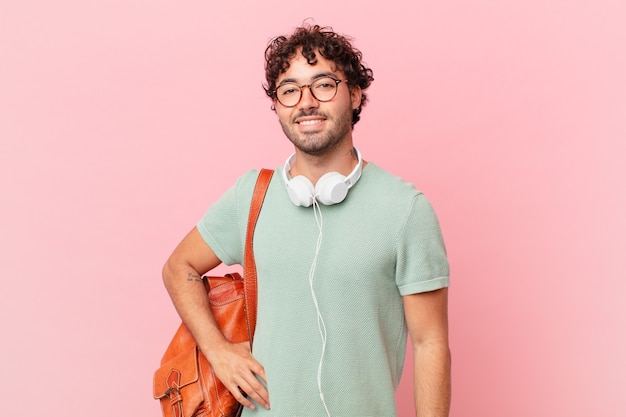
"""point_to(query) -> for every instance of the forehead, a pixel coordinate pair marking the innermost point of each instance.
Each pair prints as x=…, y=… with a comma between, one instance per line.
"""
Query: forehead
x=301, y=71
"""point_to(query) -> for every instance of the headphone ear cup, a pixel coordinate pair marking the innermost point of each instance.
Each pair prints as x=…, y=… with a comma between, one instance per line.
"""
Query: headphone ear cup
x=301, y=191
x=331, y=188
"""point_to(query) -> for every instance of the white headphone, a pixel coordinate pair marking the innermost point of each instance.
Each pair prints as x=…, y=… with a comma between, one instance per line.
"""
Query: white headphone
x=331, y=188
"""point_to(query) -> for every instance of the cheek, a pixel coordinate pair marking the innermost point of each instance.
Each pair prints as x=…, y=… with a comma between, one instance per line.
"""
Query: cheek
x=281, y=113
x=284, y=117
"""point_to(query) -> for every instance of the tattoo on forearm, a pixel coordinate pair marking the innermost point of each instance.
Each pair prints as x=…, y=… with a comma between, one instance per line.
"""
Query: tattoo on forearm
x=191, y=277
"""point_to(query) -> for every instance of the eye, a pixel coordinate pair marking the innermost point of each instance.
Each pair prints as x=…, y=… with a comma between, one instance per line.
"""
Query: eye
x=325, y=84
x=287, y=90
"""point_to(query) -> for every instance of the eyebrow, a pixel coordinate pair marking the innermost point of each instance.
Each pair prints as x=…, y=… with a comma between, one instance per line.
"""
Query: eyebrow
x=315, y=77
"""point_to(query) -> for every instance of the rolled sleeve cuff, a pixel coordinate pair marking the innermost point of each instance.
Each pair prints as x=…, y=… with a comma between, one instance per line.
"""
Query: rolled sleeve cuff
x=425, y=286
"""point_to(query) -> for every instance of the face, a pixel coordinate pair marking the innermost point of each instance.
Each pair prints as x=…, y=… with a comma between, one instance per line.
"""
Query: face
x=316, y=127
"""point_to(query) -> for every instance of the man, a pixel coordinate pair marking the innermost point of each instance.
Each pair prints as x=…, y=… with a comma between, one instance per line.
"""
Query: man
x=349, y=259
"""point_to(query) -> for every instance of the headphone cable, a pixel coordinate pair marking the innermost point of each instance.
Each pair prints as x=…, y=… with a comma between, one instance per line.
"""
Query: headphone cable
x=321, y=326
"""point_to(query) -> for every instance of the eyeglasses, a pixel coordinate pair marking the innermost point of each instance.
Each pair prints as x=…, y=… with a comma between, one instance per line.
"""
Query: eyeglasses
x=322, y=89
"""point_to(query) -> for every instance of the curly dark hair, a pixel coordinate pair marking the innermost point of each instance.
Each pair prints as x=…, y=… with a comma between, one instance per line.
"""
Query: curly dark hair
x=330, y=45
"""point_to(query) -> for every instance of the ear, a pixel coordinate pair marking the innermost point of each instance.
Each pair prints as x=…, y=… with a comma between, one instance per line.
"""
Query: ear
x=355, y=96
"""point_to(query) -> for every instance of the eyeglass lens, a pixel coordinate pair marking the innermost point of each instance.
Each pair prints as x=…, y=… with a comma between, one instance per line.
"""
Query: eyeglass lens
x=323, y=89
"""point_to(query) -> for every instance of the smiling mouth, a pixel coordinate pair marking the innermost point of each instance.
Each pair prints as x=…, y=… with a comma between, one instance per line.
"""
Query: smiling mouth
x=310, y=122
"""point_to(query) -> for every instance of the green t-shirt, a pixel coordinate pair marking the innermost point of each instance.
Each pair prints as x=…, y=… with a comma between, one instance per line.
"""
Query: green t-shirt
x=382, y=242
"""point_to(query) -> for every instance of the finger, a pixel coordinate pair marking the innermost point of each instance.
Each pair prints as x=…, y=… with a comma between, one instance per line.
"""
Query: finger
x=256, y=391
x=240, y=396
x=260, y=371
x=260, y=388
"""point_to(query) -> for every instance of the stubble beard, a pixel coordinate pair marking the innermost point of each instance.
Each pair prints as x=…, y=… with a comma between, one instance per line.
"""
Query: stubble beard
x=319, y=143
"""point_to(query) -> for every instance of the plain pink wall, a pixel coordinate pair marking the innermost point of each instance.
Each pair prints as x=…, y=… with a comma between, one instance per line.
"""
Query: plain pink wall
x=121, y=121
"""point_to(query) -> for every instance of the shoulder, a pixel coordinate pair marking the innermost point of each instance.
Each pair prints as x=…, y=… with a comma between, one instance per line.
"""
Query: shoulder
x=240, y=194
x=382, y=182
x=247, y=179
x=237, y=196
x=244, y=185
x=390, y=194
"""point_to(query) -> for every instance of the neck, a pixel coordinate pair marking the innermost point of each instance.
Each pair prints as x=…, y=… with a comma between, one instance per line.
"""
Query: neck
x=341, y=160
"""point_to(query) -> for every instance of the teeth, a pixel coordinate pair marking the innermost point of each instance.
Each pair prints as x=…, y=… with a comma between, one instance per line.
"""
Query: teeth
x=309, y=122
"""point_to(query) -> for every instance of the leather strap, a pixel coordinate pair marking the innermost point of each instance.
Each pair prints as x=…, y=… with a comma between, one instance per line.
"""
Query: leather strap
x=173, y=393
x=249, y=266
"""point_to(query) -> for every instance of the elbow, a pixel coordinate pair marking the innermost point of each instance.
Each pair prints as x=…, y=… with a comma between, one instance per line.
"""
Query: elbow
x=438, y=346
x=434, y=353
x=167, y=274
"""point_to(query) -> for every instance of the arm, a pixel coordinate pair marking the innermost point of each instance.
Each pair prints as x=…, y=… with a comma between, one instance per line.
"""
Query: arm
x=427, y=320
x=233, y=364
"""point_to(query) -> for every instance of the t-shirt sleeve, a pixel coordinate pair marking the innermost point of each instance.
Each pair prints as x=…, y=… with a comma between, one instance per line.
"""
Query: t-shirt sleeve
x=223, y=225
x=422, y=264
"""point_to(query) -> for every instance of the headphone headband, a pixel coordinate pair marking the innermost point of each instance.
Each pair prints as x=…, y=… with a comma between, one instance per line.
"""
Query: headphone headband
x=331, y=188
x=351, y=179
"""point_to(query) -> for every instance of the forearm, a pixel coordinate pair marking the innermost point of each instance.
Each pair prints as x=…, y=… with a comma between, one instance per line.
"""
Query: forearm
x=188, y=293
x=232, y=363
x=432, y=382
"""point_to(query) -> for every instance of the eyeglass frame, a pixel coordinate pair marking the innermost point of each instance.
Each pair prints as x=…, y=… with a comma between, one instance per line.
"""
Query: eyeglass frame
x=301, y=89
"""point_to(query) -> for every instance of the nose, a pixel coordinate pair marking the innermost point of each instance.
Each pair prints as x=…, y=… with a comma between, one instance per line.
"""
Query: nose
x=307, y=100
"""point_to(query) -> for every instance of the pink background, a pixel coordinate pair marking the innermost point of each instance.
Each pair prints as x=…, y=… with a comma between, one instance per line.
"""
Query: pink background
x=121, y=121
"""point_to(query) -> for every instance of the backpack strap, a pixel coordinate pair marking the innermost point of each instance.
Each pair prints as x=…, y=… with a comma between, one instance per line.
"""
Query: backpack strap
x=249, y=266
